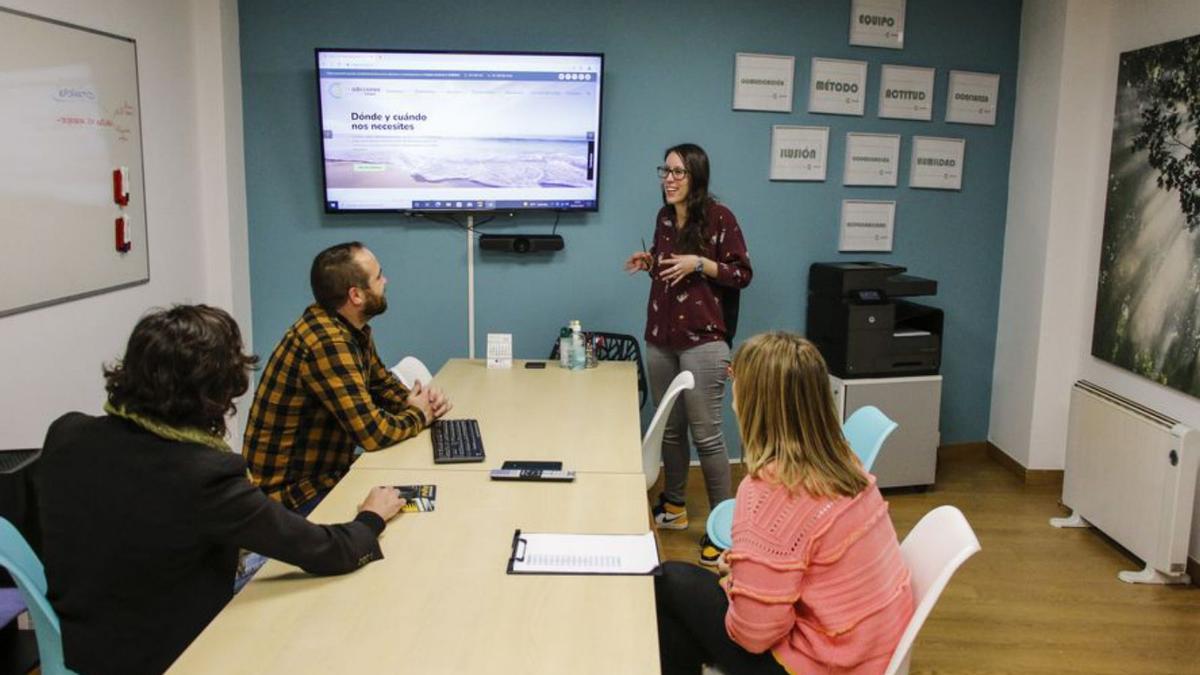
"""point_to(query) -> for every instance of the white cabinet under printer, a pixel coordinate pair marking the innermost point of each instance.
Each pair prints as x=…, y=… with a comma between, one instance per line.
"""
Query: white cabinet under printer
x=909, y=456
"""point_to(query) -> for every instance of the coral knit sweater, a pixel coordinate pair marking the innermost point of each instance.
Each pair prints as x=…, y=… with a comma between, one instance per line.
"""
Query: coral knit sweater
x=818, y=581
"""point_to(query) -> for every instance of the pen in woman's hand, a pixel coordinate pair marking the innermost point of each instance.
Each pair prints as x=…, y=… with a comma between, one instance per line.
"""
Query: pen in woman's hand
x=649, y=265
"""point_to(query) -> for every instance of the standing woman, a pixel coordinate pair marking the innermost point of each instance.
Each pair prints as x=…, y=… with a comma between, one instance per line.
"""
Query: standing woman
x=697, y=266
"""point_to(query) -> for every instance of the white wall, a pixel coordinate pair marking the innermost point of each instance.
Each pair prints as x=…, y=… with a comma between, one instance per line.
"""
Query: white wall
x=1020, y=338
x=222, y=171
x=1060, y=153
x=191, y=136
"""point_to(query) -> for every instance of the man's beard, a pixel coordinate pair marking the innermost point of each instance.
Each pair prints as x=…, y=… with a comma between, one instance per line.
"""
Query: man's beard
x=375, y=305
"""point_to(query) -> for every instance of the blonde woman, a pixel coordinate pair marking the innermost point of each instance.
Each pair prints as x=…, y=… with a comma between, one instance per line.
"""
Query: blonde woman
x=814, y=581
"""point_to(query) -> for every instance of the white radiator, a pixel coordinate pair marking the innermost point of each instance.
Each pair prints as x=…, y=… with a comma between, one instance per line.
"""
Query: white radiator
x=1131, y=472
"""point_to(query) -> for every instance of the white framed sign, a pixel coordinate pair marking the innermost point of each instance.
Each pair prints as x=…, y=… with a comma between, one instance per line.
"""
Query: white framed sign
x=799, y=153
x=838, y=87
x=867, y=225
x=763, y=82
x=971, y=97
x=877, y=23
x=937, y=163
x=871, y=159
x=499, y=350
x=906, y=92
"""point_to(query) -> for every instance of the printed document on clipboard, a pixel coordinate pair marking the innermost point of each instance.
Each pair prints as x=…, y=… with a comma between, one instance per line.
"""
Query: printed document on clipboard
x=551, y=553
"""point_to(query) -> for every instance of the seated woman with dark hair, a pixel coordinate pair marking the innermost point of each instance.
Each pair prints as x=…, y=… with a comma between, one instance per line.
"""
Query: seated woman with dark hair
x=144, y=509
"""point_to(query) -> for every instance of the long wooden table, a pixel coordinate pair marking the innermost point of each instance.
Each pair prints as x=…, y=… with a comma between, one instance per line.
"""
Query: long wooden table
x=587, y=419
x=441, y=601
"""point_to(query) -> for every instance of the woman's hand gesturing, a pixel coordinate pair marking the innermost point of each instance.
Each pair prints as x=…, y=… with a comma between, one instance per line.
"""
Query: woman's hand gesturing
x=640, y=261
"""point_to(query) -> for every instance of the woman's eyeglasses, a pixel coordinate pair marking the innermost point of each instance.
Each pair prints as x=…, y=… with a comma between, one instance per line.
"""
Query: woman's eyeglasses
x=675, y=172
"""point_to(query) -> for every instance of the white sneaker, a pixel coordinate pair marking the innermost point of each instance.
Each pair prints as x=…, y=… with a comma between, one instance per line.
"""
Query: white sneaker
x=668, y=516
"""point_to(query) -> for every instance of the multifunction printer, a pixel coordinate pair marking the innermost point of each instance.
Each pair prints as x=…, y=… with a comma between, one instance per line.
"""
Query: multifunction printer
x=863, y=330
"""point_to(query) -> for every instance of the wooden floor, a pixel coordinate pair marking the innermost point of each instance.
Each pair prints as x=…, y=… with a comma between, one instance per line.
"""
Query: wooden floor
x=1036, y=599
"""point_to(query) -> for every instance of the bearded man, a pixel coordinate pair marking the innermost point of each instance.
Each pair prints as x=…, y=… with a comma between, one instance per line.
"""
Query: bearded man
x=325, y=392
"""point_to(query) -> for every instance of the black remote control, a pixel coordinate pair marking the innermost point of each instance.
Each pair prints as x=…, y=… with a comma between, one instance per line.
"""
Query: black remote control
x=533, y=474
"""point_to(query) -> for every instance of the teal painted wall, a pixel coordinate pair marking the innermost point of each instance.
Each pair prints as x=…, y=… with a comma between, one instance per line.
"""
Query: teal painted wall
x=669, y=74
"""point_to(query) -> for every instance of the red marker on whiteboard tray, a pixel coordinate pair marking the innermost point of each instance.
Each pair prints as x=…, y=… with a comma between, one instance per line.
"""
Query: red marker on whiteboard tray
x=121, y=185
x=122, y=234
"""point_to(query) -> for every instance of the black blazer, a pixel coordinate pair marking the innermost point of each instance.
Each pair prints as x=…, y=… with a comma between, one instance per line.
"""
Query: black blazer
x=141, y=538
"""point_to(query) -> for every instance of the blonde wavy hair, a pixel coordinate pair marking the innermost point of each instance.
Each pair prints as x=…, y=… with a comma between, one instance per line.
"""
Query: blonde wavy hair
x=790, y=429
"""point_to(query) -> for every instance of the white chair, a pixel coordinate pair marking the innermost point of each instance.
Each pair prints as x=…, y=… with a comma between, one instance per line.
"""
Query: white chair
x=410, y=370
x=652, y=443
x=932, y=551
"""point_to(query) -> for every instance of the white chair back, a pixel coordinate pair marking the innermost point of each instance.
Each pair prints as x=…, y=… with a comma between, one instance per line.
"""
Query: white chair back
x=410, y=370
x=652, y=443
x=932, y=551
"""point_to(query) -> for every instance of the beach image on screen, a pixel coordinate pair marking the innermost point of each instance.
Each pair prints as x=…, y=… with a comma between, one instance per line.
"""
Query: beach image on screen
x=403, y=132
x=371, y=162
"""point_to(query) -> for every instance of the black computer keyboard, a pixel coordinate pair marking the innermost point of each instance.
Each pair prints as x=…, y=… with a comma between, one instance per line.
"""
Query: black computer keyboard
x=456, y=441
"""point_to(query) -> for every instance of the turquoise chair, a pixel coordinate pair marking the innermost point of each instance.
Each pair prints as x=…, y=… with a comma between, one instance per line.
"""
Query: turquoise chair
x=27, y=571
x=865, y=431
x=719, y=525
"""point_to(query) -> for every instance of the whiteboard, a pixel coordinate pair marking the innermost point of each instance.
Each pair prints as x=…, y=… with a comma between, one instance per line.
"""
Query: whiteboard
x=69, y=116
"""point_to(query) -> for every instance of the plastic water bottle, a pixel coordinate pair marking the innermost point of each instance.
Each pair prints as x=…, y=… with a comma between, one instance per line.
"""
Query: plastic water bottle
x=564, y=347
x=578, y=359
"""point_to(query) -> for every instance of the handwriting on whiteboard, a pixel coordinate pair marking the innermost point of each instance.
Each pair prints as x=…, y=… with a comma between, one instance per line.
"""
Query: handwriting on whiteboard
x=110, y=122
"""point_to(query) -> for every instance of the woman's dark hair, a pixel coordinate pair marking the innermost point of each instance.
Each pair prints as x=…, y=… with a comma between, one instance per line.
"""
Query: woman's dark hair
x=695, y=160
x=183, y=367
x=334, y=272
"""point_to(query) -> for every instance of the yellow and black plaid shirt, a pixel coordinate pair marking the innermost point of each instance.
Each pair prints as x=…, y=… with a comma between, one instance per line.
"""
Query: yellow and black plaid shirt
x=323, y=392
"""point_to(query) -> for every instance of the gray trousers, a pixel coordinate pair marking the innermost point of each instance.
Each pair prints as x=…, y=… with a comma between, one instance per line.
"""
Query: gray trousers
x=697, y=409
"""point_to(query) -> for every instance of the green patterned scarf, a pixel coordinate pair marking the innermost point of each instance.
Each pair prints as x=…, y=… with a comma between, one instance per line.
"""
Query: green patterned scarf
x=170, y=433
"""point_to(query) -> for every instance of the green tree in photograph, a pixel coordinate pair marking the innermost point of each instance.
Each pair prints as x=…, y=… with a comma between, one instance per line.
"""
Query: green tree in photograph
x=1168, y=78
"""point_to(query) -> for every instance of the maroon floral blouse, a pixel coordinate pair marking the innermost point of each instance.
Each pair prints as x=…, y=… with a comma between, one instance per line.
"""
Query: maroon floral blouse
x=689, y=313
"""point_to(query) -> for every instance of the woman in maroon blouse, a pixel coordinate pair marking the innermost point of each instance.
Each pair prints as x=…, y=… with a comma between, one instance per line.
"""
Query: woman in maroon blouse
x=697, y=266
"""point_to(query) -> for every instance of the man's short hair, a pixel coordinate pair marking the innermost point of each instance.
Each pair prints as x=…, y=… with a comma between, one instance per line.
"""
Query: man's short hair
x=334, y=272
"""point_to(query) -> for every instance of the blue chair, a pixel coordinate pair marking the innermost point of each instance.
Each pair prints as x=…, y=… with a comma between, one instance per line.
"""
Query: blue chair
x=27, y=571
x=865, y=431
x=720, y=524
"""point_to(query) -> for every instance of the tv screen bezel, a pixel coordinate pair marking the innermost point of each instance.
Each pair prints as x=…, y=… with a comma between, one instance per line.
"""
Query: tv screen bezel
x=531, y=209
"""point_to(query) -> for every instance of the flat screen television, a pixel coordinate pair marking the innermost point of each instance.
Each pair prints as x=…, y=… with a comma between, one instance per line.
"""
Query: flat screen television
x=459, y=131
